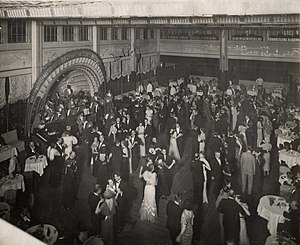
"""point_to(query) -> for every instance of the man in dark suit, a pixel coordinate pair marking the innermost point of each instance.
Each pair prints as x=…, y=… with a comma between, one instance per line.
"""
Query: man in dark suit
x=122, y=214
x=93, y=200
x=174, y=212
x=231, y=208
x=216, y=172
x=214, y=144
x=198, y=179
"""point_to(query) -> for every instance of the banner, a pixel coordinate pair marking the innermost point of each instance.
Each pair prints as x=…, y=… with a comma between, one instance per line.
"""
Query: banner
x=116, y=69
x=126, y=67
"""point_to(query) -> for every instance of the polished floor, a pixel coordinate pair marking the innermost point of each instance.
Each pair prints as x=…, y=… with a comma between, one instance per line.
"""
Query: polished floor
x=47, y=208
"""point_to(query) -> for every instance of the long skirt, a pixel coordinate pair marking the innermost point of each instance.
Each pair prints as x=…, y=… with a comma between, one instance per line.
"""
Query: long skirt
x=148, y=210
x=142, y=145
x=173, y=150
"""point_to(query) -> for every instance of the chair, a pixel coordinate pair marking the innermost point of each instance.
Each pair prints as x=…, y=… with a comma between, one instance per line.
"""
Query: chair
x=11, y=138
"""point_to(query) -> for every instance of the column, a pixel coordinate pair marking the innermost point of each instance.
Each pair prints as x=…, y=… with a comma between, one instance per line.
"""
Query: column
x=95, y=39
x=223, y=63
x=35, y=50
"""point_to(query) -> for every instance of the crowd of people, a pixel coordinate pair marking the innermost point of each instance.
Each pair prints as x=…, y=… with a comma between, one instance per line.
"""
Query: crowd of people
x=231, y=134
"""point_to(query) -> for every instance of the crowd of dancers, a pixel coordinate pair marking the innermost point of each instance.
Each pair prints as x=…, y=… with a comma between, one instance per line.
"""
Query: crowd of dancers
x=219, y=135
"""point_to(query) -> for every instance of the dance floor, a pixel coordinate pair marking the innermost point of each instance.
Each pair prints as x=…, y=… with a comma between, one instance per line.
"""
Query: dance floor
x=47, y=198
x=148, y=233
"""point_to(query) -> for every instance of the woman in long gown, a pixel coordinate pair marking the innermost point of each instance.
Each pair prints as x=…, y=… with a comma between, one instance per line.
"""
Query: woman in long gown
x=94, y=149
x=185, y=236
x=173, y=149
x=141, y=134
x=260, y=133
x=56, y=165
x=148, y=210
x=266, y=147
x=107, y=210
x=206, y=168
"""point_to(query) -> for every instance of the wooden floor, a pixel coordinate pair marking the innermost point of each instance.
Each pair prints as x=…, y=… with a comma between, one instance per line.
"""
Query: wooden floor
x=146, y=233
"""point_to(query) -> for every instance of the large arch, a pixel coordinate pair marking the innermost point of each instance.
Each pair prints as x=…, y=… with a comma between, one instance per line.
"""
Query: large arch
x=84, y=60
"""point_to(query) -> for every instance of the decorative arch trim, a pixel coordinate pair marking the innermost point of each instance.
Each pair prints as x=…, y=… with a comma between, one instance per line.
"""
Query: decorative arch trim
x=85, y=60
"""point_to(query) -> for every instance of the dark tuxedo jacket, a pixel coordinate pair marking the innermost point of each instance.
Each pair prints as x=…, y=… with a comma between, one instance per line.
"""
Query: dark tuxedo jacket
x=93, y=201
x=197, y=171
x=174, y=212
x=231, y=219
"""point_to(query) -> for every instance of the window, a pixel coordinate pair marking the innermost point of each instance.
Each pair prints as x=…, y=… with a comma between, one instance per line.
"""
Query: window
x=17, y=31
x=124, y=33
x=84, y=33
x=50, y=33
x=152, y=35
x=145, y=34
x=103, y=33
x=137, y=33
x=68, y=33
x=114, y=33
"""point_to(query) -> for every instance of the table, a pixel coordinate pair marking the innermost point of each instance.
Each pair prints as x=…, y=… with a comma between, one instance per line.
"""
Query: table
x=48, y=233
x=252, y=92
x=36, y=164
x=274, y=213
x=291, y=158
x=273, y=240
x=10, y=183
x=4, y=211
x=285, y=138
x=7, y=151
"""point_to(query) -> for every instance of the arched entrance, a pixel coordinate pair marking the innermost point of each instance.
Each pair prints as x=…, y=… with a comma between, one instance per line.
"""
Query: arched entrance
x=83, y=60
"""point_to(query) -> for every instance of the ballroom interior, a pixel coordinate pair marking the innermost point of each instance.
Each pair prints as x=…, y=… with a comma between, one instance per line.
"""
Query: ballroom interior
x=112, y=49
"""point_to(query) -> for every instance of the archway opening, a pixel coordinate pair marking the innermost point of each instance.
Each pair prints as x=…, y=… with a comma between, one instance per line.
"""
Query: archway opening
x=82, y=69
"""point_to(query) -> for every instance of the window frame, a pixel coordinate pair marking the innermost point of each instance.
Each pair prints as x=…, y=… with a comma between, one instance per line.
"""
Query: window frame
x=52, y=36
x=68, y=33
x=17, y=31
x=114, y=33
x=83, y=33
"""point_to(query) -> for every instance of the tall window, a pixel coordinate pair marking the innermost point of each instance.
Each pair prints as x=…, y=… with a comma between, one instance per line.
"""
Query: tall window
x=138, y=33
x=145, y=33
x=103, y=33
x=84, y=33
x=124, y=33
x=114, y=33
x=17, y=31
x=50, y=33
x=68, y=33
x=152, y=35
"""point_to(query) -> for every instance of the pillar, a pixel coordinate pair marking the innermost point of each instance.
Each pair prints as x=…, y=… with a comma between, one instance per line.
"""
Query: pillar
x=95, y=39
x=223, y=62
x=35, y=50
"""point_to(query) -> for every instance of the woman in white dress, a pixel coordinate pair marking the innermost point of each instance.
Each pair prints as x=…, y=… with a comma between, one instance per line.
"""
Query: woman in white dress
x=234, y=113
x=148, y=210
x=206, y=167
x=260, y=132
x=149, y=114
x=141, y=134
x=173, y=149
x=201, y=140
x=266, y=147
x=69, y=141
